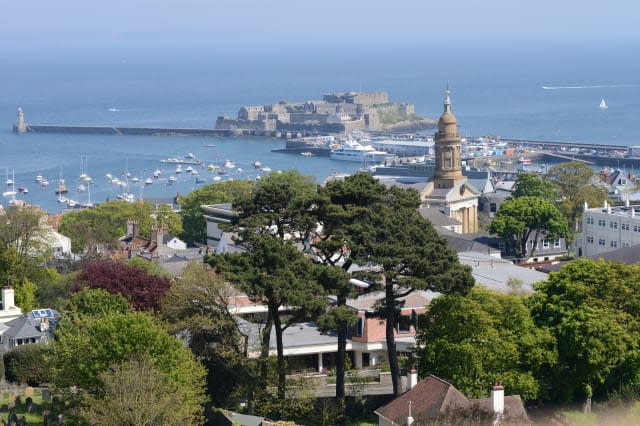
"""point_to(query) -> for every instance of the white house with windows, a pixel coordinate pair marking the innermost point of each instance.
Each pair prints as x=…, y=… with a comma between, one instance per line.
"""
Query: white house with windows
x=18, y=329
x=608, y=228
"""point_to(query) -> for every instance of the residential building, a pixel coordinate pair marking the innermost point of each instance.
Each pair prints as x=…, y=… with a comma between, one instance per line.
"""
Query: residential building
x=608, y=228
x=161, y=243
x=433, y=399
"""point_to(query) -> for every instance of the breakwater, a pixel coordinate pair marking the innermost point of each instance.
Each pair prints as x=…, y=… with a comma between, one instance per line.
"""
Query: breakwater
x=147, y=131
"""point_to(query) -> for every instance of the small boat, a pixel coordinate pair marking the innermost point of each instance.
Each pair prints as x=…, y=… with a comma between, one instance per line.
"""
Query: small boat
x=189, y=169
x=222, y=171
x=172, y=179
x=257, y=164
x=239, y=170
x=157, y=173
x=62, y=199
x=81, y=188
x=179, y=169
x=212, y=167
x=217, y=178
x=265, y=169
x=189, y=155
x=39, y=178
x=126, y=196
x=21, y=189
x=194, y=172
x=200, y=180
x=229, y=164
x=135, y=179
x=62, y=188
x=71, y=203
x=44, y=182
x=603, y=104
x=148, y=181
x=109, y=176
x=87, y=179
x=307, y=153
x=524, y=161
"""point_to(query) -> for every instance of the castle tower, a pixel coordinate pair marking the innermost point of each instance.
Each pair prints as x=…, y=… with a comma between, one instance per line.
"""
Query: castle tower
x=20, y=126
x=447, y=146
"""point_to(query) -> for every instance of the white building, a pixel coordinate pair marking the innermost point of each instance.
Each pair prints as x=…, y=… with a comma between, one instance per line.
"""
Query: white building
x=608, y=228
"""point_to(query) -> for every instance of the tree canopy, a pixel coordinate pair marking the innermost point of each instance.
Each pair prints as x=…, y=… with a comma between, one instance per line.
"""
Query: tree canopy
x=195, y=310
x=591, y=307
x=521, y=218
x=408, y=254
x=576, y=183
x=532, y=185
x=86, y=347
x=477, y=340
x=143, y=291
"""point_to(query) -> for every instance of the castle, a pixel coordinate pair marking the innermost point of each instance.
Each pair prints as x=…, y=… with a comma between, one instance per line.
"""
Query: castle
x=335, y=113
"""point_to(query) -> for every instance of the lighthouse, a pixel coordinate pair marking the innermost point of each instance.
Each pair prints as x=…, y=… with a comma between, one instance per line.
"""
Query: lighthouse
x=20, y=126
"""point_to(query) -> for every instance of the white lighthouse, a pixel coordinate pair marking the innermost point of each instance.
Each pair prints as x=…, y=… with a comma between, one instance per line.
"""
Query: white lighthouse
x=20, y=126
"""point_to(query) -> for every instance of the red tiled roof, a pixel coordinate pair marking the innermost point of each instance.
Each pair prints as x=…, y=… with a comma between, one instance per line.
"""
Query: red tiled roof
x=429, y=398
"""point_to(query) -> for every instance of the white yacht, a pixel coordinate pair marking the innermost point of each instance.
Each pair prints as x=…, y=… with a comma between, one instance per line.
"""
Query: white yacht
x=179, y=169
x=126, y=196
x=172, y=179
x=157, y=173
x=148, y=181
x=353, y=151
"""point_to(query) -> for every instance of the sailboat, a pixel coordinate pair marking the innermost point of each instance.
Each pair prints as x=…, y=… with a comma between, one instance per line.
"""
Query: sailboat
x=603, y=105
x=10, y=189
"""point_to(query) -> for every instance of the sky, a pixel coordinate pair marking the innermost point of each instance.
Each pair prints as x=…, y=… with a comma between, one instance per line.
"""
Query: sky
x=172, y=23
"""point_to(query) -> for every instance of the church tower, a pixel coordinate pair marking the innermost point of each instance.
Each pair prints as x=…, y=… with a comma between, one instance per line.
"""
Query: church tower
x=447, y=146
x=449, y=191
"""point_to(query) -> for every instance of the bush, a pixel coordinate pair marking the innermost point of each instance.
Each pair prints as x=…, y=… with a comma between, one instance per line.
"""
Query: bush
x=26, y=364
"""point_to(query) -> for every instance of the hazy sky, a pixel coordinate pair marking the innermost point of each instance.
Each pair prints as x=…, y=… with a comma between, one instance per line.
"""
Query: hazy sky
x=163, y=23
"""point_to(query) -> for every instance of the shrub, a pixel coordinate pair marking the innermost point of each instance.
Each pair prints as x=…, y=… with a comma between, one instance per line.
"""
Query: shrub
x=26, y=364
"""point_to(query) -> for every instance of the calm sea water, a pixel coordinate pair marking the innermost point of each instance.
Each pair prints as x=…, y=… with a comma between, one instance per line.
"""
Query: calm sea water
x=496, y=90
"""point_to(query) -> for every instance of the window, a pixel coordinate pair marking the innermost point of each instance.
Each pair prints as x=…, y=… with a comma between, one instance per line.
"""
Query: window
x=359, y=327
x=556, y=243
x=590, y=240
x=624, y=226
x=602, y=242
x=636, y=228
x=545, y=244
x=602, y=222
x=613, y=225
x=404, y=324
x=493, y=207
x=590, y=221
x=613, y=244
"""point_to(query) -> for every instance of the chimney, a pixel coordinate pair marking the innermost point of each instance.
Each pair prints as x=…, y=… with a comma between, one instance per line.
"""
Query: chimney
x=8, y=298
x=132, y=228
x=44, y=324
x=497, y=399
x=412, y=377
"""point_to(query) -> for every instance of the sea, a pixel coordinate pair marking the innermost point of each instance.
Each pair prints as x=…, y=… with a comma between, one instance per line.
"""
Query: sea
x=526, y=90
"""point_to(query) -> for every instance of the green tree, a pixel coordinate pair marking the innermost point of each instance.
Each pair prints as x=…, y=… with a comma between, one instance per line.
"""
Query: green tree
x=95, y=302
x=280, y=204
x=476, y=340
x=87, y=346
x=341, y=204
x=193, y=220
x=409, y=255
x=532, y=185
x=275, y=272
x=591, y=307
x=576, y=183
x=27, y=365
x=195, y=310
x=25, y=245
x=519, y=219
x=135, y=393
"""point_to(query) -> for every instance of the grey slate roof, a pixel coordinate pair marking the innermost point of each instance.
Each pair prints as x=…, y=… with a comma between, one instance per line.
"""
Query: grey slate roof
x=436, y=217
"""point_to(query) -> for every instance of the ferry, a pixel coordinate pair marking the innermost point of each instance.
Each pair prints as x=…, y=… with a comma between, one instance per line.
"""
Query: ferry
x=353, y=151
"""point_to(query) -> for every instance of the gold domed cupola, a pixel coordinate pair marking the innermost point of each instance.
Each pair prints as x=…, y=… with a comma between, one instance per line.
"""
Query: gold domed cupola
x=448, y=124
